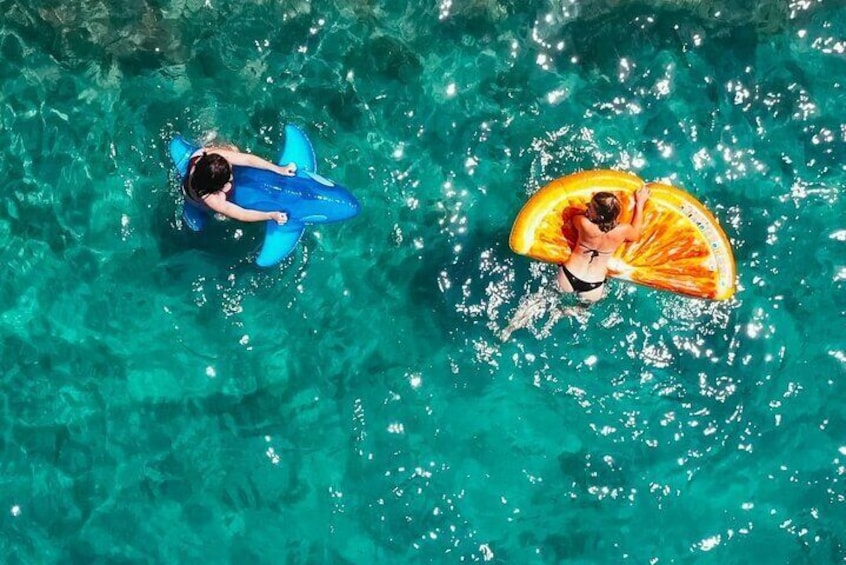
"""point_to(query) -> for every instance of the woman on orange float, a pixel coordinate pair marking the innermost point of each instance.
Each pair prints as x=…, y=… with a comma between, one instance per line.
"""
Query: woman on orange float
x=585, y=223
x=599, y=235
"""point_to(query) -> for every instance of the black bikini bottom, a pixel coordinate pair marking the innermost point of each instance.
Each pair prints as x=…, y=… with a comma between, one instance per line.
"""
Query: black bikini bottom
x=580, y=286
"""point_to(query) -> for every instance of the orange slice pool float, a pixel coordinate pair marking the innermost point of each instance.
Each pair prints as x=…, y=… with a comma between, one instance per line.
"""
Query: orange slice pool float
x=682, y=248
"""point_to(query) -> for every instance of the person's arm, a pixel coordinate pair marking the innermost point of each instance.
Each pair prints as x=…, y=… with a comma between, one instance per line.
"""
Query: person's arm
x=221, y=205
x=635, y=228
x=247, y=160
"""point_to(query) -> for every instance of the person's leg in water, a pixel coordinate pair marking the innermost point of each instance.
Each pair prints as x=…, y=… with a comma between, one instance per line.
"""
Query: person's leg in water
x=546, y=301
x=212, y=141
x=535, y=305
x=531, y=308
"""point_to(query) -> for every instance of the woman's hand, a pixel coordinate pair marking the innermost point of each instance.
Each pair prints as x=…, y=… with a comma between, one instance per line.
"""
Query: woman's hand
x=289, y=170
x=278, y=217
x=641, y=195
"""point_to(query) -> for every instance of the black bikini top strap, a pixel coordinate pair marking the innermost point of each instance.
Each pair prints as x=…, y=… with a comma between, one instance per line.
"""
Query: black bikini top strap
x=594, y=253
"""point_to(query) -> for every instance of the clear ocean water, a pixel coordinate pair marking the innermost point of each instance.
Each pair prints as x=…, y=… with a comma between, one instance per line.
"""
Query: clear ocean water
x=165, y=401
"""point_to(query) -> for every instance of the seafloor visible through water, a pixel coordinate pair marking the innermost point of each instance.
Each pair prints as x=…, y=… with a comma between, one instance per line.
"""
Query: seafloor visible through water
x=164, y=400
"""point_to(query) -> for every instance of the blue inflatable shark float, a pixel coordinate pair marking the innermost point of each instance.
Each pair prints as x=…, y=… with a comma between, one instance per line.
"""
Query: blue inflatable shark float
x=307, y=198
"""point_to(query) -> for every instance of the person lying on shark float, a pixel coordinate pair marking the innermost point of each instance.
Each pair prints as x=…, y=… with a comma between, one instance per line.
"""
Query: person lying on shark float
x=287, y=196
x=210, y=183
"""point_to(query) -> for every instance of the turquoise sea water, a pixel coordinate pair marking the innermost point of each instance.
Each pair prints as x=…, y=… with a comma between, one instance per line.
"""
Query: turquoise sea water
x=163, y=400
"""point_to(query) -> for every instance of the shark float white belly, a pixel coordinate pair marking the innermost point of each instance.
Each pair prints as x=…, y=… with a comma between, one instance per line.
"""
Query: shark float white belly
x=307, y=198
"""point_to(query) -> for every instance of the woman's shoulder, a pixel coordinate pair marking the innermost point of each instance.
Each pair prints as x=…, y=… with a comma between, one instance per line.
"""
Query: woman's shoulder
x=221, y=150
x=580, y=220
x=584, y=226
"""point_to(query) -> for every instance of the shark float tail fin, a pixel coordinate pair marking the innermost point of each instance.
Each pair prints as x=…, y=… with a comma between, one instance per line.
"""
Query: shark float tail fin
x=180, y=152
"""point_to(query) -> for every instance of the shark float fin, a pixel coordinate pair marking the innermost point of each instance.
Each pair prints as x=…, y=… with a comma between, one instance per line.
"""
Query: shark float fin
x=279, y=242
x=180, y=152
x=298, y=149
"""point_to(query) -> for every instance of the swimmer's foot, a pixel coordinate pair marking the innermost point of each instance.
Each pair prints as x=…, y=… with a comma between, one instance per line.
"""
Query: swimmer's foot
x=554, y=315
x=531, y=309
x=580, y=313
x=505, y=334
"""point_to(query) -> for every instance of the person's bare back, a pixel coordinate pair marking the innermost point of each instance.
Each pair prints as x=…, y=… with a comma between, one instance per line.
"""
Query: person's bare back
x=599, y=236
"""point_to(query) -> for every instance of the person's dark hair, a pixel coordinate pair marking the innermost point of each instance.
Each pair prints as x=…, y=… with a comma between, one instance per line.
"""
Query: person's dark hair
x=211, y=173
x=607, y=208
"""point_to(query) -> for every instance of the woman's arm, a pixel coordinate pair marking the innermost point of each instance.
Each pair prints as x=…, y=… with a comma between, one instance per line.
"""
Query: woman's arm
x=221, y=205
x=247, y=160
x=636, y=227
